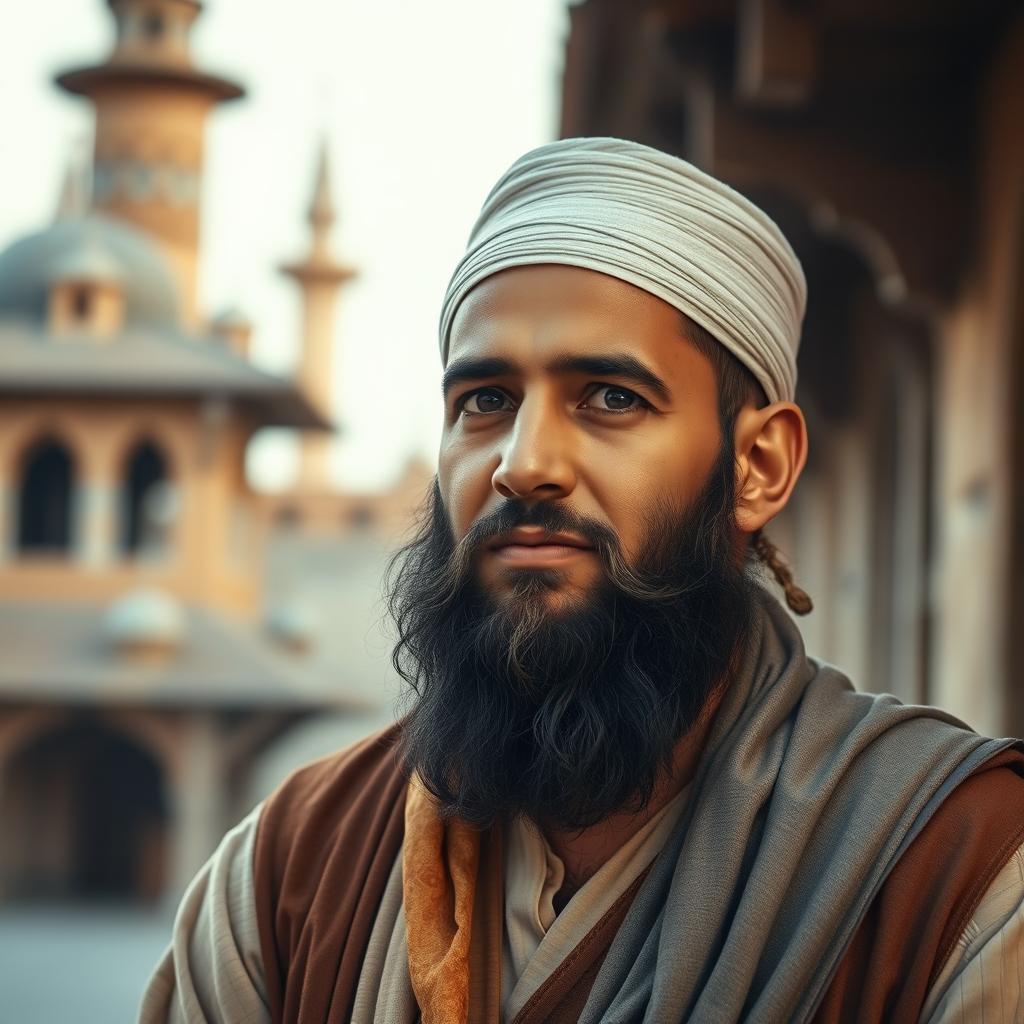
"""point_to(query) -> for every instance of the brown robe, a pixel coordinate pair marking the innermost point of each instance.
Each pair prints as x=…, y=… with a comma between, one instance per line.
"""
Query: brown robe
x=327, y=839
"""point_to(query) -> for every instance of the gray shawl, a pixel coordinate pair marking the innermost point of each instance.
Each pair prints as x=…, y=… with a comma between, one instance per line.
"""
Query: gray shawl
x=805, y=797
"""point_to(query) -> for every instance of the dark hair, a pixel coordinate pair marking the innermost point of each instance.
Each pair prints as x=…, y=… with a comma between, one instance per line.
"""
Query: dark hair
x=736, y=384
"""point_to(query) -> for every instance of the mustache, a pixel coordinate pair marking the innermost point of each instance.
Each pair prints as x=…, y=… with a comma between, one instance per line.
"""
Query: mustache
x=632, y=580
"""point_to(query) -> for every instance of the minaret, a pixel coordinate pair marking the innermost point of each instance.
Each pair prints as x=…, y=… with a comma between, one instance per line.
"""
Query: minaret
x=320, y=277
x=151, y=105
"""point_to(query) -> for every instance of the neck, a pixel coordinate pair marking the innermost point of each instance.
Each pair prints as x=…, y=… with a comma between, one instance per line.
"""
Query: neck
x=584, y=852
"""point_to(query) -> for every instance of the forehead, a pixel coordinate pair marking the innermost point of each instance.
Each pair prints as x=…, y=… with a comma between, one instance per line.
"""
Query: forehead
x=533, y=315
x=559, y=296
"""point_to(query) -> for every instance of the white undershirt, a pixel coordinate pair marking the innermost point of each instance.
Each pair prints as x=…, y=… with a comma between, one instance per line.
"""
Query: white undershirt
x=537, y=939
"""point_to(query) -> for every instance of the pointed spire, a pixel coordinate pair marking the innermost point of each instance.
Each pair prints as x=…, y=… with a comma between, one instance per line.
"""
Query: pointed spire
x=320, y=276
x=321, y=209
x=319, y=260
x=74, y=189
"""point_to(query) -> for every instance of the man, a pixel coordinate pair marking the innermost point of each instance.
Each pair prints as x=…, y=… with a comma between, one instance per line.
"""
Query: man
x=621, y=791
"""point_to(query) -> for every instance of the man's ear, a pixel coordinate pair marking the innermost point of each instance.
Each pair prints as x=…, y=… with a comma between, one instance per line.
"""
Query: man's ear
x=771, y=450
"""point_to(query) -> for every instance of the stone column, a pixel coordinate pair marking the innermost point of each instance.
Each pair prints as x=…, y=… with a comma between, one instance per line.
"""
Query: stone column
x=198, y=800
x=94, y=522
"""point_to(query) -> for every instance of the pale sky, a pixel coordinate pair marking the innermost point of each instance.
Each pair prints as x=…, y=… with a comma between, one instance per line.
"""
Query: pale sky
x=424, y=105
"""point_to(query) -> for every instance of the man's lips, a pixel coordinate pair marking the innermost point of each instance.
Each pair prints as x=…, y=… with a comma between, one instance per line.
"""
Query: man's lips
x=534, y=544
x=535, y=536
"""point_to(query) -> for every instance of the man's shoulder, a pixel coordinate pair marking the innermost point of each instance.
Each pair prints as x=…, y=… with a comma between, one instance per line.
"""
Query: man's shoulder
x=331, y=798
x=922, y=909
x=982, y=820
x=945, y=872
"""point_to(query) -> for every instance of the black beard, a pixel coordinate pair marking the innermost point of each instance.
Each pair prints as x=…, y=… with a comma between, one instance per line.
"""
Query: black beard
x=564, y=716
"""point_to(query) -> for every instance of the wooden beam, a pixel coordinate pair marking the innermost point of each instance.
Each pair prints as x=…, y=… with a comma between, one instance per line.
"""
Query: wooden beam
x=777, y=53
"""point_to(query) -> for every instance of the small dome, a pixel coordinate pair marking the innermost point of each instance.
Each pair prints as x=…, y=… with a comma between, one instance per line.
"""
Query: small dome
x=87, y=259
x=145, y=620
x=293, y=626
x=95, y=244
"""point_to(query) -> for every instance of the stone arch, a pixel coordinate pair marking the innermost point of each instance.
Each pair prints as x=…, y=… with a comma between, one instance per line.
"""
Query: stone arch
x=46, y=482
x=47, y=421
x=872, y=247
x=168, y=434
x=811, y=213
x=85, y=816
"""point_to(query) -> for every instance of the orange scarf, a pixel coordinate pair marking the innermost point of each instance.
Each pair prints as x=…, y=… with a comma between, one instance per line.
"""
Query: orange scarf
x=455, y=939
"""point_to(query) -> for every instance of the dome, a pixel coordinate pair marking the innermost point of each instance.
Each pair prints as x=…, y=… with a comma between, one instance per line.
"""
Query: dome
x=98, y=245
x=87, y=260
x=145, y=620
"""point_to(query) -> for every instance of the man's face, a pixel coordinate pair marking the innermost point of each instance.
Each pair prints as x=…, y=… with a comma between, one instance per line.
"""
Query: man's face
x=568, y=386
x=555, y=680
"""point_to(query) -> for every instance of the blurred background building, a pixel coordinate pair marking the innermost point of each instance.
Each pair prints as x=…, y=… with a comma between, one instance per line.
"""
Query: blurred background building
x=886, y=139
x=173, y=639
x=161, y=623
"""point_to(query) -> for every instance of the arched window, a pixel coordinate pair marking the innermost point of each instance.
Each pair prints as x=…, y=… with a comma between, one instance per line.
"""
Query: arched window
x=146, y=504
x=81, y=304
x=44, y=499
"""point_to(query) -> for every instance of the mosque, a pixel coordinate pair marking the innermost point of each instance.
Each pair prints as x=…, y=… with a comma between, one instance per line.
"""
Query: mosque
x=155, y=614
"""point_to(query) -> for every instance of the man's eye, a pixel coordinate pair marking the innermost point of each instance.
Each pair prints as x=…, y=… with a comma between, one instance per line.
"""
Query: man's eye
x=482, y=401
x=609, y=398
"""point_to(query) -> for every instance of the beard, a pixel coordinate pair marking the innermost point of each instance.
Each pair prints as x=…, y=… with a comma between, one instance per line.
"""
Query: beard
x=565, y=716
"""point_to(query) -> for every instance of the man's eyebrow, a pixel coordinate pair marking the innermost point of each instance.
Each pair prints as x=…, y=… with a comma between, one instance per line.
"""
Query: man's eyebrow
x=621, y=365
x=459, y=371
x=618, y=365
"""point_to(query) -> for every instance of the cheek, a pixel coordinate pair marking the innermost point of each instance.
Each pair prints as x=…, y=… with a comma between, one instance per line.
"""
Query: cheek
x=671, y=472
x=464, y=479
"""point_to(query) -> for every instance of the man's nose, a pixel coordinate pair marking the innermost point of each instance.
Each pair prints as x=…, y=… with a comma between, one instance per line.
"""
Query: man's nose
x=536, y=459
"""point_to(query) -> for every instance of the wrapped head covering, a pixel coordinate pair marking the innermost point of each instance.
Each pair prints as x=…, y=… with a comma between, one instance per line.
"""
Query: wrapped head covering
x=656, y=222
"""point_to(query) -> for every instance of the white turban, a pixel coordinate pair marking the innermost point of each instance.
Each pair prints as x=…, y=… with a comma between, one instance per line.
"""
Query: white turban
x=657, y=222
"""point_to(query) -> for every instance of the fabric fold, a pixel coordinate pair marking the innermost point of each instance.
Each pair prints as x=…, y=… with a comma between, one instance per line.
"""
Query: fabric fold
x=805, y=797
x=538, y=950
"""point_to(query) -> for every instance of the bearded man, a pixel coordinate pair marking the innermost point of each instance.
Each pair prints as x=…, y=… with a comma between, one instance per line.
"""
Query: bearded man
x=621, y=790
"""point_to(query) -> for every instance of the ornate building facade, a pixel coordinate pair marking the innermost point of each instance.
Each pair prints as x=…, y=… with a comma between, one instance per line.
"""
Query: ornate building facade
x=147, y=661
